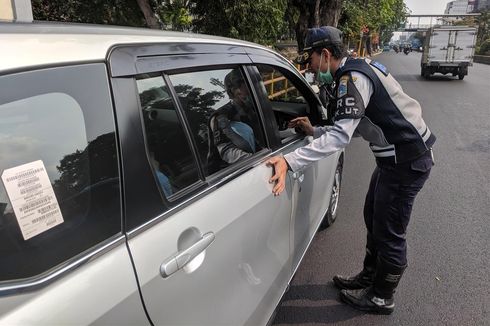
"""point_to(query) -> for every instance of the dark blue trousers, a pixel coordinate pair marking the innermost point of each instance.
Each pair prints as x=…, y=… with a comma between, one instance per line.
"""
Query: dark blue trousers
x=388, y=205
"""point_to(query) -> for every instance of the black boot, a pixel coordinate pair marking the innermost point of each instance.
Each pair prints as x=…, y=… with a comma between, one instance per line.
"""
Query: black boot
x=360, y=281
x=379, y=297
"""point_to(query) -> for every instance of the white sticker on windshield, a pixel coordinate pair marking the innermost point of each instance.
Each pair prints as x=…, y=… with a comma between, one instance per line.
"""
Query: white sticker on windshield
x=32, y=197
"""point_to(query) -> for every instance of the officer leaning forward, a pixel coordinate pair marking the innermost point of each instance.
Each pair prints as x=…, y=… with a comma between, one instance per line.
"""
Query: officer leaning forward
x=369, y=102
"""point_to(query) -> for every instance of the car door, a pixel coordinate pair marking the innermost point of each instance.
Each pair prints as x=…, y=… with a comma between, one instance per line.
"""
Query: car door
x=210, y=242
x=287, y=95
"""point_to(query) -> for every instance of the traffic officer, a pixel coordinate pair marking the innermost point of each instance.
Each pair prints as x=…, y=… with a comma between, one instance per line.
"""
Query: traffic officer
x=369, y=102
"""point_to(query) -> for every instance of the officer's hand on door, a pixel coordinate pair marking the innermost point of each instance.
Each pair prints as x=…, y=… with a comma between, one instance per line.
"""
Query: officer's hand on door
x=280, y=170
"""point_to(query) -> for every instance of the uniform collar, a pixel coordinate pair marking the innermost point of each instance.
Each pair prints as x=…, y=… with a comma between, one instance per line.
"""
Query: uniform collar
x=342, y=62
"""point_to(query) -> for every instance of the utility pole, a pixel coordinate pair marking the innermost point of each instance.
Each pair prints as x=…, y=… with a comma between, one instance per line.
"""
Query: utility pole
x=16, y=10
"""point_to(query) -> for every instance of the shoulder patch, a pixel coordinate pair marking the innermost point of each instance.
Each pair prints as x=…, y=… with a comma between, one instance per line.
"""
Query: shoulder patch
x=380, y=67
x=343, y=86
x=351, y=105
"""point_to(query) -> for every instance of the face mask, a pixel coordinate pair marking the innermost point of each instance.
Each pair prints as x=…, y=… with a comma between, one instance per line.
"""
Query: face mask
x=324, y=77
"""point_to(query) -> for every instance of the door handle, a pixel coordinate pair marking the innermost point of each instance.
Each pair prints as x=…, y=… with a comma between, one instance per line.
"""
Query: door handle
x=182, y=258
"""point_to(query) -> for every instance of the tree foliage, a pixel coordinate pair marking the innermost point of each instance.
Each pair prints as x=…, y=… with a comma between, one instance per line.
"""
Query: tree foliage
x=260, y=21
x=383, y=16
x=115, y=12
x=483, y=36
x=175, y=14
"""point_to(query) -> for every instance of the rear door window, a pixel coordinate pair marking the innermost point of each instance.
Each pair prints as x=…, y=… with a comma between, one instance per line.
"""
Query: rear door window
x=168, y=149
x=60, y=192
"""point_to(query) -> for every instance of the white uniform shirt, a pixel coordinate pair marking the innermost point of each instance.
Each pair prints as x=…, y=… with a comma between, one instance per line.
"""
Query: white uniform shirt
x=330, y=139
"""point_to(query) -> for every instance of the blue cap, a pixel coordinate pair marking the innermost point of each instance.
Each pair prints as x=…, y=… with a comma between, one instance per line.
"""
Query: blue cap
x=318, y=37
x=322, y=36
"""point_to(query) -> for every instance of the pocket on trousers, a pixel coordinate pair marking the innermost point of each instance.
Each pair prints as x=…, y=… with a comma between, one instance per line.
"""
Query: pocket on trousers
x=423, y=164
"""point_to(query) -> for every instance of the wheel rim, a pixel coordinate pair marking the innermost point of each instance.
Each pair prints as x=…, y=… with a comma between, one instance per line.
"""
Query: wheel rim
x=334, y=199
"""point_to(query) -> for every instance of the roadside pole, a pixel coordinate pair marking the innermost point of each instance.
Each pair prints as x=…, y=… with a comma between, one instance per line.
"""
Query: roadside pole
x=16, y=10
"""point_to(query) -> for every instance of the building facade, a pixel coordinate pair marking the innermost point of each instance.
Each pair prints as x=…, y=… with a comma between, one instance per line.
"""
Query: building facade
x=458, y=7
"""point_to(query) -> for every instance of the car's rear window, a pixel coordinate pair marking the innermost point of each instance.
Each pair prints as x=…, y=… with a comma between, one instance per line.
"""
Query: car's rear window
x=59, y=188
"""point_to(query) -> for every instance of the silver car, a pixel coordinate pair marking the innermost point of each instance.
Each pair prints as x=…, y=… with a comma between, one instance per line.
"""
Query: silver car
x=135, y=191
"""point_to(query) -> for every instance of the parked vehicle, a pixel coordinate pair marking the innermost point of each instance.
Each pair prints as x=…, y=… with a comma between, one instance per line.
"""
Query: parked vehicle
x=448, y=49
x=113, y=208
x=386, y=48
x=416, y=45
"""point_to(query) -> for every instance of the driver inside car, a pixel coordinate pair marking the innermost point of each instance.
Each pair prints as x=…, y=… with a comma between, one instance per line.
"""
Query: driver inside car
x=232, y=126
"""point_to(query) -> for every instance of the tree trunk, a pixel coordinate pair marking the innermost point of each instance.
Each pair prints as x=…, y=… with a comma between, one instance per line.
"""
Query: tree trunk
x=303, y=21
x=316, y=14
x=150, y=18
x=330, y=11
x=301, y=28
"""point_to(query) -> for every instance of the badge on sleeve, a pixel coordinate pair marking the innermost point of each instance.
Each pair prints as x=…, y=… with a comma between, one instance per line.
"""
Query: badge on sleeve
x=380, y=67
x=342, y=86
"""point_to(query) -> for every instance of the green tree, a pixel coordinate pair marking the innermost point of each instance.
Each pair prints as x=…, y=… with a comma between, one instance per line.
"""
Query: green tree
x=483, y=22
x=114, y=12
x=383, y=16
x=260, y=21
x=175, y=14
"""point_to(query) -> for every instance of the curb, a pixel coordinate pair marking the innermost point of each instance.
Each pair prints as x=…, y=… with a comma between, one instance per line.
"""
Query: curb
x=485, y=59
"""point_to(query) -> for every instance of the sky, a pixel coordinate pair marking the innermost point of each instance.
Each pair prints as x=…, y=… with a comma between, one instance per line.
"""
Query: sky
x=419, y=7
x=424, y=7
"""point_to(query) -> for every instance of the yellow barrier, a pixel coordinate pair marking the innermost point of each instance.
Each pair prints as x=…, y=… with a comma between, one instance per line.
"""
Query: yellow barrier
x=285, y=89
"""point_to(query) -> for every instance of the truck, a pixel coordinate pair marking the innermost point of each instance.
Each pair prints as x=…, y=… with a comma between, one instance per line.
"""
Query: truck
x=448, y=50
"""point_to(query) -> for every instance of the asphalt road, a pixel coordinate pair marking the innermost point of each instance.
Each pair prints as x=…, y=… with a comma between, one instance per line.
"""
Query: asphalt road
x=448, y=278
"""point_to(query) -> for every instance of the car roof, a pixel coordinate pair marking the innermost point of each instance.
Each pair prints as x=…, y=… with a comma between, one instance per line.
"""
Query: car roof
x=24, y=45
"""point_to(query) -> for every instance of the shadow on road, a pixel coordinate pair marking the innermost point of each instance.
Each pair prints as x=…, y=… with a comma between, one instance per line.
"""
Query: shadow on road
x=448, y=78
x=307, y=309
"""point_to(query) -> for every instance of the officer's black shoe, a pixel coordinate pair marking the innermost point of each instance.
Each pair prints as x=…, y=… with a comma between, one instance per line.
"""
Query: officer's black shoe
x=361, y=281
x=366, y=300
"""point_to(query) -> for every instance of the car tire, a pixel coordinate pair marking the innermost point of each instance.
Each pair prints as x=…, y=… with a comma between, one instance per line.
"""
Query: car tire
x=460, y=76
x=331, y=214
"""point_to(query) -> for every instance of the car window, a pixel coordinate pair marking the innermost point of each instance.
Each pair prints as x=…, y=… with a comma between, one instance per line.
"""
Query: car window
x=60, y=191
x=169, y=152
x=222, y=115
x=286, y=100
